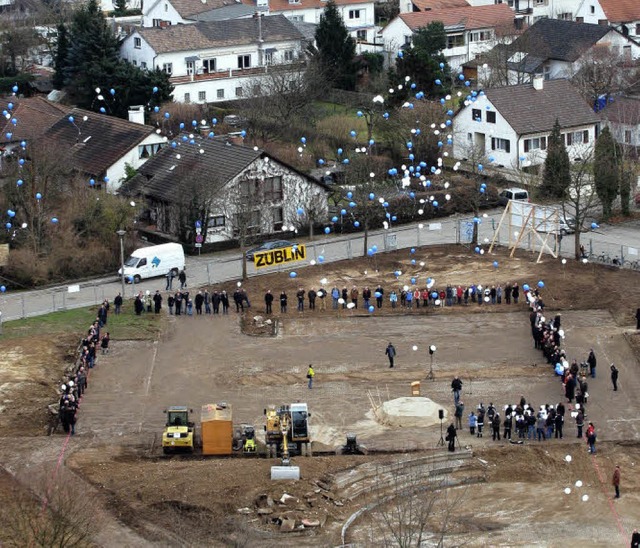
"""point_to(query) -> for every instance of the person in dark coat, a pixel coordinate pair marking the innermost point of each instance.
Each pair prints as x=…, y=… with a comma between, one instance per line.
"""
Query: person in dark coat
x=157, y=302
x=592, y=362
x=635, y=537
x=199, y=301
x=138, y=305
x=183, y=279
x=390, y=352
x=614, y=377
x=118, y=303
x=451, y=437
x=268, y=301
x=215, y=301
x=638, y=318
x=283, y=302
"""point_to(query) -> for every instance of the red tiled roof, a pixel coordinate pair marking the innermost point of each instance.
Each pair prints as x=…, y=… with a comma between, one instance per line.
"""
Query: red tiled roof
x=479, y=17
x=188, y=8
x=425, y=5
x=621, y=11
x=34, y=115
x=277, y=6
x=623, y=110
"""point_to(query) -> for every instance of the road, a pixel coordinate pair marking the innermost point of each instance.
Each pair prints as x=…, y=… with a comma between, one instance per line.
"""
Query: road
x=227, y=266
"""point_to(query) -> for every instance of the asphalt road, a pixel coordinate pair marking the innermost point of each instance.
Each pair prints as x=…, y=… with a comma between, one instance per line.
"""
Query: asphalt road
x=227, y=266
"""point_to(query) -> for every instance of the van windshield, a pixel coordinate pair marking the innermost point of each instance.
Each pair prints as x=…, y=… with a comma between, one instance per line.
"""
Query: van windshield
x=131, y=261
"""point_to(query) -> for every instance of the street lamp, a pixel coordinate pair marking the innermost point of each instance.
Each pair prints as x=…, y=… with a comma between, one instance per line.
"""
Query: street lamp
x=432, y=351
x=121, y=233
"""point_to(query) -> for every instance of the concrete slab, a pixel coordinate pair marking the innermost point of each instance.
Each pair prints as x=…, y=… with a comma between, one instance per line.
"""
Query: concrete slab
x=410, y=411
x=285, y=472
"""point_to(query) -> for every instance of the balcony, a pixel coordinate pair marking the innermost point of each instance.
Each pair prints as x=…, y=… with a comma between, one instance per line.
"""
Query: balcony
x=233, y=73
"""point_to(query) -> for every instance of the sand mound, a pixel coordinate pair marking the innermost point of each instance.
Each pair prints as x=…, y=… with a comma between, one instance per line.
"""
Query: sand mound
x=409, y=411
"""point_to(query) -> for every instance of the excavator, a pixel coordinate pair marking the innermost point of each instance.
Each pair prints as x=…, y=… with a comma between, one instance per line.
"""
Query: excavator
x=287, y=431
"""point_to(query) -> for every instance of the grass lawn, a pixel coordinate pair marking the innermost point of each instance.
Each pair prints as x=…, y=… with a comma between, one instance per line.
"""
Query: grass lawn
x=76, y=322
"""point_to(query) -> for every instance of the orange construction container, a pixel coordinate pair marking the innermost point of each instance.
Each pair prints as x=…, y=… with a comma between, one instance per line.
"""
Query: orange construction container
x=216, y=428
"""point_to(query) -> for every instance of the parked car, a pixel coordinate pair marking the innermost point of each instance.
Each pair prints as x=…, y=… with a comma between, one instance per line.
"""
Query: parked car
x=518, y=194
x=268, y=246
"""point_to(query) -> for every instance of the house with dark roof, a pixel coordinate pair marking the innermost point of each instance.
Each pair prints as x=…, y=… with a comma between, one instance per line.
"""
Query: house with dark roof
x=470, y=30
x=622, y=115
x=510, y=126
x=558, y=49
x=163, y=13
x=220, y=179
x=216, y=60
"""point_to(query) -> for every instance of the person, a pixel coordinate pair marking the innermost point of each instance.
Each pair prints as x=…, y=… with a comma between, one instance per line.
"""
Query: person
x=148, y=300
x=614, y=377
x=224, y=300
x=508, y=424
x=592, y=362
x=635, y=539
x=104, y=343
x=170, y=275
x=215, y=302
x=456, y=387
x=157, y=302
x=170, y=301
x=335, y=295
x=580, y=422
x=451, y=437
x=207, y=302
x=268, y=300
x=311, y=295
x=379, y=293
x=199, y=301
x=300, y=295
x=638, y=318
x=118, y=303
x=458, y=414
x=183, y=279
x=616, y=481
x=283, y=301
x=473, y=422
x=591, y=437
x=391, y=353
x=138, y=305
x=310, y=374
x=322, y=295
x=495, y=425
x=480, y=420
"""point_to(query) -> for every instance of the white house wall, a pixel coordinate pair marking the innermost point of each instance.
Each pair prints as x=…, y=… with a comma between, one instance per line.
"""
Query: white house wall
x=163, y=10
x=116, y=172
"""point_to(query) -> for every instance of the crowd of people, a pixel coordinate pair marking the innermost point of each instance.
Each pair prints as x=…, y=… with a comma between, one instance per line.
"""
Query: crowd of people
x=76, y=380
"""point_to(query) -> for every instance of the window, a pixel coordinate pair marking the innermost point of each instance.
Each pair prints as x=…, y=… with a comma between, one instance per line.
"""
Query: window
x=268, y=58
x=500, y=144
x=220, y=94
x=239, y=91
x=167, y=68
x=278, y=219
x=217, y=221
x=579, y=19
x=190, y=67
x=134, y=63
x=593, y=9
x=567, y=16
x=627, y=136
x=273, y=188
x=157, y=22
x=576, y=138
x=637, y=29
x=244, y=61
x=208, y=65
x=469, y=137
x=491, y=117
x=147, y=151
x=481, y=36
x=166, y=7
x=354, y=14
x=143, y=262
x=299, y=18
x=541, y=2
x=537, y=143
x=288, y=55
x=476, y=115
x=361, y=35
x=247, y=220
x=626, y=52
x=137, y=43
x=187, y=97
x=455, y=40
x=407, y=40
x=202, y=96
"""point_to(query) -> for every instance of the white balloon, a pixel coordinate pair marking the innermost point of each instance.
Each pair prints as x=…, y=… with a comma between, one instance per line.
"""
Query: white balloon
x=323, y=281
x=421, y=226
x=312, y=262
x=564, y=261
x=421, y=263
x=405, y=287
x=567, y=491
x=132, y=203
x=351, y=305
x=437, y=302
x=568, y=458
x=239, y=284
x=414, y=348
x=341, y=300
x=585, y=498
x=579, y=483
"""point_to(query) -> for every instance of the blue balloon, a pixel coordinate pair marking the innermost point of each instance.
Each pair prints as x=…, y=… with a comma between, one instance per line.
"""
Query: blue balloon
x=11, y=213
x=495, y=264
x=356, y=224
x=3, y=288
x=112, y=91
x=397, y=273
x=14, y=89
x=38, y=196
x=214, y=121
x=155, y=89
x=460, y=77
x=477, y=249
x=243, y=133
x=71, y=119
x=20, y=182
x=400, y=54
x=194, y=123
x=377, y=294
x=103, y=110
x=8, y=226
x=10, y=106
x=156, y=109
x=594, y=226
x=526, y=287
x=371, y=142
x=371, y=196
x=438, y=82
x=320, y=162
x=343, y=212
x=167, y=115
x=211, y=135
x=54, y=220
x=429, y=280
x=540, y=284
x=327, y=230
x=292, y=274
x=359, y=114
x=371, y=308
x=106, y=179
x=352, y=204
x=370, y=252
x=385, y=115
x=333, y=220
x=435, y=203
x=8, y=135
x=385, y=204
x=181, y=125
x=349, y=195
x=198, y=224
x=374, y=247
x=413, y=261
x=480, y=167
x=339, y=151
x=345, y=161
x=14, y=121
x=441, y=65
x=434, y=295
x=300, y=211
x=321, y=258
x=303, y=140
x=394, y=218
x=413, y=281
x=412, y=250
x=23, y=144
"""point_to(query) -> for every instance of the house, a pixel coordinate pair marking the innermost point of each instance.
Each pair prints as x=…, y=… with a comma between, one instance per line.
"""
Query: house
x=624, y=15
x=409, y=6
x=622, y=115
x=511, y=125
x=216, y=60
x=558, y=49
x=102, y=146
x=470, y=30
x=164, y=13
x=227, y=180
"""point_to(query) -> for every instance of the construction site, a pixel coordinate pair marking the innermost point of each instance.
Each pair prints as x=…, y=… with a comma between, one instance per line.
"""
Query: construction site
x=207, y=434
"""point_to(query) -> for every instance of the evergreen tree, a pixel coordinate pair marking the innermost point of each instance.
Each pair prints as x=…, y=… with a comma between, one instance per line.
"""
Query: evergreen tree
x=557, y=167
x=424, y=63
x=60, y=62
x=606, y=171
x=120, y=7
x=626, y=178
x=336, y=49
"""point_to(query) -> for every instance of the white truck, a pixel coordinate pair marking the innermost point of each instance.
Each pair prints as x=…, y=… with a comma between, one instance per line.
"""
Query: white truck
x=157, y=260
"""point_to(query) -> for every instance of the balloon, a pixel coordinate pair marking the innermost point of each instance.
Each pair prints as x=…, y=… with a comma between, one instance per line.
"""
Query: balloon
x=20, y=182
x=352, y=133
x=356, y=224
x=8, y=226
x=352, y=204
x=412, y=250
x=103, y=110
x=349, y=195
x=155, y=89
x=526, y=287
x=167, y=115
x=3, y=288
x=333, y=220
x=435, y=203
x=434, y=295
x=594, y=226
x=413, y=281
x=292, y=274
x=579, y=483
x=371, y=142
x=181, y=125
x=567, y=491
x=585, y=498
x=243, y=133
x=112, y=91
x=370, y=252
x=11, y=213
x=377, y=294
x=343, y=212
x=477, y=249
x=14, y=89
x=495, y=264
x=10, y=106
x=8, y=136
x=400, y=54
x=371, y=309
x=372, y=196
x=540, y=284
x=327, y=230
x=300, y=211
x=339, y=151
x=54, y=220
x=321, y=258
x=38, y=196
x=156, y=109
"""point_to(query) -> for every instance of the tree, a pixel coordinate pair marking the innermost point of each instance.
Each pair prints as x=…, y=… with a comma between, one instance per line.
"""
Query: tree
x=424, y=63
x=120, y=7
x=336, y=49
x=606, y=171
x=15, y=44
x=60, y=60
x=557, y=166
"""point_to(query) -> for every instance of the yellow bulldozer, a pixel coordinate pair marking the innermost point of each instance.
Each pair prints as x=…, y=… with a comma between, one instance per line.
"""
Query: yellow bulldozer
x=179, y=432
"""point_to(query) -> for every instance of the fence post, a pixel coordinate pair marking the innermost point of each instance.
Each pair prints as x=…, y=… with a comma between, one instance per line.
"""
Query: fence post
x=22, y=299
x=53, y=295
x=590, y=246
x=208, y=275
x=418, y=244
x=349, y=252
x=621, y=255
x=95, y=293
x=64, y=300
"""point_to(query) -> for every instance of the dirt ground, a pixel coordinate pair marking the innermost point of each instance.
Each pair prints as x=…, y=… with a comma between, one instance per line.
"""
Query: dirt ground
x=498, y=489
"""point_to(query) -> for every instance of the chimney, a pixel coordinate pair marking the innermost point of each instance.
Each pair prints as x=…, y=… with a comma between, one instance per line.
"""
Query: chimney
x=538, y=81
x=235, y=139
x=136, y=114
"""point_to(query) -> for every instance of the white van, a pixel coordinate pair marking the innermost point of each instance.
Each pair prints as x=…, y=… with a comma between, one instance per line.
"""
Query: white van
x=157, y=260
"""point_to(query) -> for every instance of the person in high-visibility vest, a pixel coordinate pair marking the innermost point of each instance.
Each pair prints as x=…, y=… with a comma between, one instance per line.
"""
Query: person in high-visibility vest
x=310, y=374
